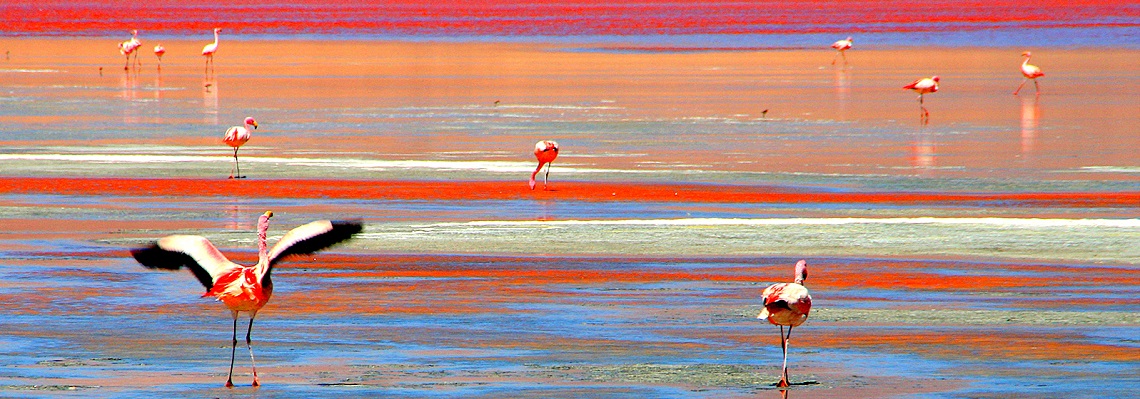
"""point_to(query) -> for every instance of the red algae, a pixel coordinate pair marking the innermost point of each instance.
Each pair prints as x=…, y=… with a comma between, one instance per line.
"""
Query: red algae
x=497, y=190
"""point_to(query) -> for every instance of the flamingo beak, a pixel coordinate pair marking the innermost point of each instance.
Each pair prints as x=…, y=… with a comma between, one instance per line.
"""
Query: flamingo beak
x=255, y=125
x=268, y=214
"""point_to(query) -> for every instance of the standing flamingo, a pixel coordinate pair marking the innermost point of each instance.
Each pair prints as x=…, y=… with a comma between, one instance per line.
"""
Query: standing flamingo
x=128, y=47
x=923, y=86
x=209, y=50
x=235, y=137
x=242, y=288
x=787, y=304
x=545, y=151
x=1030, y=72
x=841, y=47
x=159, y=51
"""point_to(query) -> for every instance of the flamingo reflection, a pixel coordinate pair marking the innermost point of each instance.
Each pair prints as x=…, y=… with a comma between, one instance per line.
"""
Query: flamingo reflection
x=842, y=91
x=1030, y=113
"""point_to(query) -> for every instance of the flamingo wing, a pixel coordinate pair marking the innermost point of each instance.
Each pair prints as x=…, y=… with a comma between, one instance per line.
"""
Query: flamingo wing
x=209, y=49
x=193, y=252
x=313, y=237
x=913, y=84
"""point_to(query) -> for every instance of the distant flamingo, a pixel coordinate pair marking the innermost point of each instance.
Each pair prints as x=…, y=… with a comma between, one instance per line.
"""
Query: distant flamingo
x=841, y=47
x=159, y=51
x=242, y=288
x=235, y=137
x=787, y=304
x=1030, y=72
x=209, y=49
x=545, y=151
x=128, y=47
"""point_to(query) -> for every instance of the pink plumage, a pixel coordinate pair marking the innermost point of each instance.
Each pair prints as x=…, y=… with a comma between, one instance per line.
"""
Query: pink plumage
x=545, y=151
x=787, y=304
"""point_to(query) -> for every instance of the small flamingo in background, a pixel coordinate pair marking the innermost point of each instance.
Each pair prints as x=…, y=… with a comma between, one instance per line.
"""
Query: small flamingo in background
x=242, y=288
x=235, y=137
x=210, y=49
x=1030, y=72
x=159, y=51
x=840, y=48
x=787, y=304
x=128, y=47
x=545, y=151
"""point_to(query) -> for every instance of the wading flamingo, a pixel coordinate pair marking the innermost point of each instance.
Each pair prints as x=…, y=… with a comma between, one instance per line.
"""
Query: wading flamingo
x=787, y=304
x=159, y=51
x=209, y=50
x=545, y=151
x=242, y=288
x=235, y=137
x=923, y=86
x=840, y=48
x=128, y=47
x=1030, y=72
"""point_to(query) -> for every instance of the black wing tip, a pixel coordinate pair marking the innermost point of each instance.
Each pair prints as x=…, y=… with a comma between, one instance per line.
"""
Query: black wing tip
x=154, y=257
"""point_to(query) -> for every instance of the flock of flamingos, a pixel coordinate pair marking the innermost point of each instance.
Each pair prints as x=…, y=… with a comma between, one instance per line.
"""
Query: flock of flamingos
x=248, y=288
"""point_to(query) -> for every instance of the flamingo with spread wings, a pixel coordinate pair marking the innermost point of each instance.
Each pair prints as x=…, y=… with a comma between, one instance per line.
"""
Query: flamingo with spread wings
x=242, y=288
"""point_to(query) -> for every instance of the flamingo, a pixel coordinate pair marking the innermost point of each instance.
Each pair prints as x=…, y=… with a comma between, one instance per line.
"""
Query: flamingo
x=545, y=151
x=159, y=51
x=841, y=47
x=242, y=288
x=128, y=47
x=209, y=49
x=1030, y=72
x=787, y=304
x=923, y=86
x=235, y=137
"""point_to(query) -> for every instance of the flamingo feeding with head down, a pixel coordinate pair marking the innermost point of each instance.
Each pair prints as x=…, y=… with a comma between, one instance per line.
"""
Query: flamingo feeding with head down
x=841, y=48
x=545, y=151
x=787, y=304
x=1030, y=72
x=242, y=288
x=235, y=137
x=209, y=50
x=159, y=51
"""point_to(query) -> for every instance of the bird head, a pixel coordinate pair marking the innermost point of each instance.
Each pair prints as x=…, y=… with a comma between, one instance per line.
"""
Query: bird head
x=250, y=121
x=217, y=30
x=850, y=39
x=1026, y=54
x=801, y=271
x=934, y=78
x=268, y=214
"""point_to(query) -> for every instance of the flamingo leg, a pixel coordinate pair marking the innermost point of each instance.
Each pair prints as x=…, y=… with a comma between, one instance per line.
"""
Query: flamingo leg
x=844, y=54
x=249, y=344
x=784, y=341
x=1022, y=84
x=546, y=179
x=236, y=165
x=233, y=352
x=1036, y=88
x=836, y=58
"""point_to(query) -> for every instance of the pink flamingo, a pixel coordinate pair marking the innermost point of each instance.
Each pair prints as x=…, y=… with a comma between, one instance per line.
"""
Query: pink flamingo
x=923, y=86
x=545, y=151
x=209, y=49
x=235, y=137
x=159, y=51
x=841, y=47
x=128, y=47
x=1030, y=72
x=242, y=288
x=787, y=304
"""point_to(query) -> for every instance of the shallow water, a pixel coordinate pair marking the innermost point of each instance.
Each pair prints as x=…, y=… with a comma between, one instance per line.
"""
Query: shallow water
x=574, y=291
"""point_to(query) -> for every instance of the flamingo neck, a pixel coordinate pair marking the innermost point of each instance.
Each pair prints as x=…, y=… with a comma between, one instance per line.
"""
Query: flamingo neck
x=262, y=247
